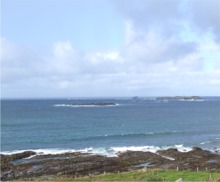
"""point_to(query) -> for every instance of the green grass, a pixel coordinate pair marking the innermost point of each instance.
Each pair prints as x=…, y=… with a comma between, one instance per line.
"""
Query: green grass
x=153, y=175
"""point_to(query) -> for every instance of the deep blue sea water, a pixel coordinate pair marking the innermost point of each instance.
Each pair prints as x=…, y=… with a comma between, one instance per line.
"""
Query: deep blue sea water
x=51, y=125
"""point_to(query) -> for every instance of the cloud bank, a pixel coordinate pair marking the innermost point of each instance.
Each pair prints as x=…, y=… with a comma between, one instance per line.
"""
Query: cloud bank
x=170, y=48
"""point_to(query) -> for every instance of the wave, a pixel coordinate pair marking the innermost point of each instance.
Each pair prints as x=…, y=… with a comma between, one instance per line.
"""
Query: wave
x=206, y=142
x=85, y=105
x=191, y=100
x=217, y=143
x=126, y=135
x=40, y=151
x=104, y=151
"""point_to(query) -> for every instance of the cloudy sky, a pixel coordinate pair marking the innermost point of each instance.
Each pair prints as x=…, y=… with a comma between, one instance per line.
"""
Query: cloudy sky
x=83, y=48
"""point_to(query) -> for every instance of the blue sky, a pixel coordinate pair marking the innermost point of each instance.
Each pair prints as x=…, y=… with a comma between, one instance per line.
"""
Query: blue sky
x=88, y=24
x=82, y=48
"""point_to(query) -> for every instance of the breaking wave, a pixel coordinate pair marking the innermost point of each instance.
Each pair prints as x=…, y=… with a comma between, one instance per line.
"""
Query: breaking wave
x=85, y=105
x=105, y=151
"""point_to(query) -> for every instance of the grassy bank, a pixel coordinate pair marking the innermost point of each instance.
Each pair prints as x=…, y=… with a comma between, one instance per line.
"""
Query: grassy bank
x=153, y=175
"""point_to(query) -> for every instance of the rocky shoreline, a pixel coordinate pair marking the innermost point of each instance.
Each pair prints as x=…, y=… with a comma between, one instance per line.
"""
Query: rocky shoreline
x=29, y=166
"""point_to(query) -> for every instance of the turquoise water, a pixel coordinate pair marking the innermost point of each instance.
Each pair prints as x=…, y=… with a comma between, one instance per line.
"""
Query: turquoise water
x=144, y=124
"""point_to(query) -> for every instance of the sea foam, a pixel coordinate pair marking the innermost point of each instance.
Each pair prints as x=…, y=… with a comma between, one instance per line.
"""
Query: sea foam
x=104, y=151
x=84, y=105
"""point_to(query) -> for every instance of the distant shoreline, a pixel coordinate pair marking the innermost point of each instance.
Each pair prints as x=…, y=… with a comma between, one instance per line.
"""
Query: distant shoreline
x=193, y=98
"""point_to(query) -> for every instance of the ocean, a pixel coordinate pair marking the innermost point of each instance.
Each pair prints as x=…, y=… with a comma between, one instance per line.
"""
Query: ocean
x=77, y=124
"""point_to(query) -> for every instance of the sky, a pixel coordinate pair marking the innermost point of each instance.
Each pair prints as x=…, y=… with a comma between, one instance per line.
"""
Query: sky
x=109, y=48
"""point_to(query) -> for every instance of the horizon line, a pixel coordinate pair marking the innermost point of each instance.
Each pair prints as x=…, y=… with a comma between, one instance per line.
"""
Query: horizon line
x=85, y=97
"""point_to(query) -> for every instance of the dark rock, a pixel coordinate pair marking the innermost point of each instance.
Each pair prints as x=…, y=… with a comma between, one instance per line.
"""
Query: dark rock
x=196, y=149
x=172, y=153
x=138, y=157
x=79, y=164
x=8, y=158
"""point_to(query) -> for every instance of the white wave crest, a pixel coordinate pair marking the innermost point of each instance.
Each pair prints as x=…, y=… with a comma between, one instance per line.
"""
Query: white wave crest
x=108, y=151
x=85, y=105
x=40, y=151
x=206, y=142
x=190, y=100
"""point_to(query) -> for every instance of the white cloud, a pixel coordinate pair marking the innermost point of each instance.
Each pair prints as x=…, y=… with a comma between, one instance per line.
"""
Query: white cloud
x=150, y=47
x=205, y=16
x=146, y=14
x=16, y=61
x=63, y=50
x=168, y=16
x=27, y=68
x=64, y=84
x=215, y=82
x=104, y=57
x=165, y=52
x=65, y=59
x=7, y=48
x=129, y=72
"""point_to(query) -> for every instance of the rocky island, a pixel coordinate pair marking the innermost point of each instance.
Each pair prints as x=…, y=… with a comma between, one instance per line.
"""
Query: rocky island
x=31, y=166
x=180, y=98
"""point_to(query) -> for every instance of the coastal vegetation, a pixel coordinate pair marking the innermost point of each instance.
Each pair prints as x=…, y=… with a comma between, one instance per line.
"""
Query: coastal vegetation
x=151, y=175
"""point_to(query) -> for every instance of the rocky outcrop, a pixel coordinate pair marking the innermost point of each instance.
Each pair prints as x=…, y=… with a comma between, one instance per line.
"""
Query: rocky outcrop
x=134, y=158
x=196, y=159
x=8, y=158
x=19, y=167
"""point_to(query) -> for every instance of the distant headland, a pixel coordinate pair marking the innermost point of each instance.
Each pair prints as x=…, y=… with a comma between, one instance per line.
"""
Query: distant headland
x=177, y=98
